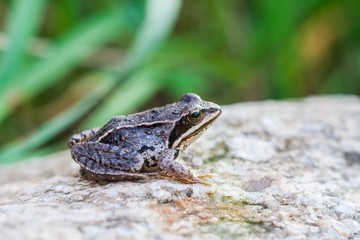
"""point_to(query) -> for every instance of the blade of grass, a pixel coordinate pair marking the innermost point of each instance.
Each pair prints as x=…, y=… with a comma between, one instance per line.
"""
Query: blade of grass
x=74, y=48
x=23, y=23
x=16, y=151
x=159, y=20
x=142, y=49
x=144, y=84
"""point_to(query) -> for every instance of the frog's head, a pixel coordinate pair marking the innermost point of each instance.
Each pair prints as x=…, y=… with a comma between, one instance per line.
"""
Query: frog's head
x=196, y=116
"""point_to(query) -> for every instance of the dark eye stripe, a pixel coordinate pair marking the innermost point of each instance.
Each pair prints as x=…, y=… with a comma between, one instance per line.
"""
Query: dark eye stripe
x=180, y=128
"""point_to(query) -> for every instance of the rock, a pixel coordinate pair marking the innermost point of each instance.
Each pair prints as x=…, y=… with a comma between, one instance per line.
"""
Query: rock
x=288, y=170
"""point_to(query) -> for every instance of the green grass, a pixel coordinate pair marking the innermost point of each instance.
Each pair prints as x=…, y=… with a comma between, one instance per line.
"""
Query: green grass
x=69, y=65
x=78, y=45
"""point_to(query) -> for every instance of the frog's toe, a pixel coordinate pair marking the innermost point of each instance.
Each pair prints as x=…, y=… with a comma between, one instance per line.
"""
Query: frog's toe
x=202, y=182
x=192, y=180
x=199, y=181
x=205, y=176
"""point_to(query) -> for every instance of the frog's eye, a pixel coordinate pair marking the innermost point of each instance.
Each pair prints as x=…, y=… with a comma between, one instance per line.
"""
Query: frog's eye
x=195, y=116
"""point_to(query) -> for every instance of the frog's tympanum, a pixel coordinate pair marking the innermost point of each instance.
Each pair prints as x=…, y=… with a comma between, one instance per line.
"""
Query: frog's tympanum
x=144, y=144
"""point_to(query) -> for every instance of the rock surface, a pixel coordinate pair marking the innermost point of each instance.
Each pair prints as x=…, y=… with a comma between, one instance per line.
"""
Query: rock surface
x=280, y=170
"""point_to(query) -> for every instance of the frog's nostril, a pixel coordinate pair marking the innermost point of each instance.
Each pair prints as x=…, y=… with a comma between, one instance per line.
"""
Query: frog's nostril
x=215, y=109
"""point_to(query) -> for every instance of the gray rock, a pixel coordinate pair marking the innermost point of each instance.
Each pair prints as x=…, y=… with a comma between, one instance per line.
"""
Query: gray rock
x=280, y=170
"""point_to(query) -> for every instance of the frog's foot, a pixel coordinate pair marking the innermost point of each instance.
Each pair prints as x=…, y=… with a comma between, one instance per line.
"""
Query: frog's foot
x=199, y=179
x=194, y=180
x=175, y=170
x=205, y=176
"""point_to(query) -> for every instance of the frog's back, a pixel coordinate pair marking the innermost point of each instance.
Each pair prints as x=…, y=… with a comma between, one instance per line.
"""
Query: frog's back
x=149, y=117
x=148, y=141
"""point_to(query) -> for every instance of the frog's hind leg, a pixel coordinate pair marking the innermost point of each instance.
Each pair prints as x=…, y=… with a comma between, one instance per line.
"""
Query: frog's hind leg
x=101, y=161
x=112, y=175
x=81, y=136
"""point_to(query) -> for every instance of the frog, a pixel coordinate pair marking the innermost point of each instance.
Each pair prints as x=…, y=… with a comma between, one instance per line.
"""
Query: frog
x=145, y=144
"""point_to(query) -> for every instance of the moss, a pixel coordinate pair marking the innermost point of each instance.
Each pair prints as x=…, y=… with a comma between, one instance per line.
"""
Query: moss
x=230, y=199
x=245, y=203
x=216, y=158
x=251, y=222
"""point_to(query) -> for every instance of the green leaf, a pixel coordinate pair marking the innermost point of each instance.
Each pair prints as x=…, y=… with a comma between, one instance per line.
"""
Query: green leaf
x=23, y=24
x=72, y=50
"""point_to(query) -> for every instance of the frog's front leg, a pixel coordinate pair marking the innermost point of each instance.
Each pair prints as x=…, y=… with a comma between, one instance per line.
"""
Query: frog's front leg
x=174, y=169
x=101, y=161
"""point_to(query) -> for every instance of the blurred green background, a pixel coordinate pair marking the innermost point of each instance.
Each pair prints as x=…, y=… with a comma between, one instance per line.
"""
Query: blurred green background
x=68, y=65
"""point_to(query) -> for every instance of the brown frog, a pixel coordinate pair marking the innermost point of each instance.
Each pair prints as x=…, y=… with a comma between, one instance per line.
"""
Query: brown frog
x=143, y=144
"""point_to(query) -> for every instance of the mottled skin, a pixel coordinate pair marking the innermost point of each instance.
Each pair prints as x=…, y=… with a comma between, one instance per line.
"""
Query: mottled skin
x=136, y=146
